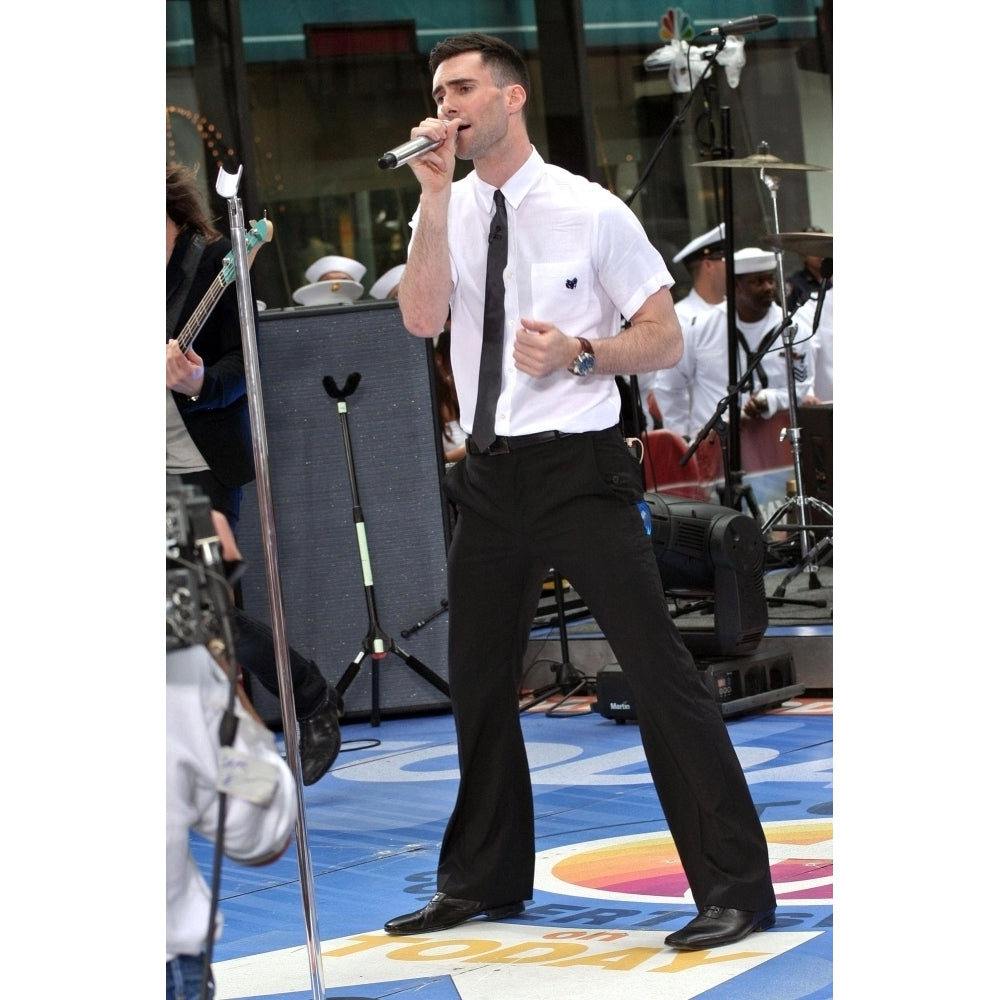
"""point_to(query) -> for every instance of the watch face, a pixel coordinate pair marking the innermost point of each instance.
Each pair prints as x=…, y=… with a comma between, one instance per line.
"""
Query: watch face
x=584, y=364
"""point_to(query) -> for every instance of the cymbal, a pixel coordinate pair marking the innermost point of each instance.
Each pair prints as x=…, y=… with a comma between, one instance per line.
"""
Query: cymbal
x=759, y=161
x=806, y=244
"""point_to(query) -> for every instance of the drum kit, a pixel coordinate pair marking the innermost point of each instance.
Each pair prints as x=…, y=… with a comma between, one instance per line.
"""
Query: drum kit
x=813, y=552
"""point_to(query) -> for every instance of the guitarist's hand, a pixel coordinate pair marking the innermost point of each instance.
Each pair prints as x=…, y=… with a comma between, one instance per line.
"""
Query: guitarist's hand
x=185, y=372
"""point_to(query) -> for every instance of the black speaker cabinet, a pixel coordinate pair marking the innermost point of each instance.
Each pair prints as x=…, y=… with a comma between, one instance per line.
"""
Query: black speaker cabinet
x=816, y=435
x=395, y=441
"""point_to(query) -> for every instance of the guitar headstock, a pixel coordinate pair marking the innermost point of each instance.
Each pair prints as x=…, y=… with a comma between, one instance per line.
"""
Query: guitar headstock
x=259, y=233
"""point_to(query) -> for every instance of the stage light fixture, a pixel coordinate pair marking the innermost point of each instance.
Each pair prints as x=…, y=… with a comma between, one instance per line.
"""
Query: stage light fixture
x=709, y=551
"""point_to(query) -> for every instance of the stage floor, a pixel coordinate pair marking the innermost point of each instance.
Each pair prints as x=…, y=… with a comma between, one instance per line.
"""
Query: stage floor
x=593, y=929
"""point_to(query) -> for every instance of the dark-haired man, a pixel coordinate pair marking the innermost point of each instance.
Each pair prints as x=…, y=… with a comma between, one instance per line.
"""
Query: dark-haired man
x=548, y=481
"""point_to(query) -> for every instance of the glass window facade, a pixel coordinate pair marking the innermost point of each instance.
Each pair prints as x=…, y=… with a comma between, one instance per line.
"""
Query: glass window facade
x=305, y=96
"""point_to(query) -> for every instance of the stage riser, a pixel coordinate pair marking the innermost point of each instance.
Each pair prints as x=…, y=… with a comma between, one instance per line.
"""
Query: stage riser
x=740, y=685
x=812, y=654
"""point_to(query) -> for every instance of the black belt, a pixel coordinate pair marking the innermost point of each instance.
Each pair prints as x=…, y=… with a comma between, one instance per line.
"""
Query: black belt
x=503, y=445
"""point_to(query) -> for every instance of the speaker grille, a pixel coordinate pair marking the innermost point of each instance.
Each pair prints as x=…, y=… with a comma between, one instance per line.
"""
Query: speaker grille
x=394, y=431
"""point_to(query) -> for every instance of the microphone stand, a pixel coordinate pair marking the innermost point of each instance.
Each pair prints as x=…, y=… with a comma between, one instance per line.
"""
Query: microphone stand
x=227, y=186
x=735, y=491
x=377, y=643
x=678, y=118
x=712, y=62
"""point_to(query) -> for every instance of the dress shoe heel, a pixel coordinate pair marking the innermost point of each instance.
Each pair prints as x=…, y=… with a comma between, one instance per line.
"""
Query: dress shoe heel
x=505, y=910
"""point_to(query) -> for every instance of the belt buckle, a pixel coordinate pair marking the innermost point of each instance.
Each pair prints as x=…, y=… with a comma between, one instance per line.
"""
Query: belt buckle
x=500, y=446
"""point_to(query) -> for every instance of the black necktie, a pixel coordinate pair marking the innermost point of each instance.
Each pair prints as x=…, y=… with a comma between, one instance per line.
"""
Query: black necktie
x=490, y=360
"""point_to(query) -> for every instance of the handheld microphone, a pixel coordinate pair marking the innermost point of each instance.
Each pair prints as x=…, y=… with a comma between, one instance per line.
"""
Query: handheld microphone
x=407, y=151
x=741, y=26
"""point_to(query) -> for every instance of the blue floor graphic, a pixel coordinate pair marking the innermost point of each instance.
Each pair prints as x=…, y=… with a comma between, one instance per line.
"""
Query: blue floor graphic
x=607, y=889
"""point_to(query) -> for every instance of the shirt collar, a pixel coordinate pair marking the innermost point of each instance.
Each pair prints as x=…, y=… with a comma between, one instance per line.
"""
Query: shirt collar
x=516, y=188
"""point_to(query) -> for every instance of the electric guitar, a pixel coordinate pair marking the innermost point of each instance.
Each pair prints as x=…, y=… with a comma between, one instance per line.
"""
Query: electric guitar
x=258, y=234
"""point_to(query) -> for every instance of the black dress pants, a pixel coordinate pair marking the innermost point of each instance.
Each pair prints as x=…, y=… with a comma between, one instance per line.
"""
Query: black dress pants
x=570, y=504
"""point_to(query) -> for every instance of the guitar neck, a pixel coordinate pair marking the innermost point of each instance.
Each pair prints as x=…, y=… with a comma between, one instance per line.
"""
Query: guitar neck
x=260, y=232
x=197, y=319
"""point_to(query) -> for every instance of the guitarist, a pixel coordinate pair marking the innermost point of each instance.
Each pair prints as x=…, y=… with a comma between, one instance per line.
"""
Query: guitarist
x=210, y=444
x=208, y=418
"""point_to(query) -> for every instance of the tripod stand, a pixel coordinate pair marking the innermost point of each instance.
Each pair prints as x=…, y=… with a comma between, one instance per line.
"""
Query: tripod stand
x=568, y=680
x=813, y=554
x=377, y=642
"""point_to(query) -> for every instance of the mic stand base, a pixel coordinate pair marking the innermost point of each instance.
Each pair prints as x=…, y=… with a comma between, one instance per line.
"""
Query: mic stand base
x=377, y=642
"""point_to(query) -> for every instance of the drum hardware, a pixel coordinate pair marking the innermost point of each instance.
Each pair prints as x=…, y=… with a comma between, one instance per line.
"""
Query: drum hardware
x=813, y=554
x=761, y=160
x=805, y=244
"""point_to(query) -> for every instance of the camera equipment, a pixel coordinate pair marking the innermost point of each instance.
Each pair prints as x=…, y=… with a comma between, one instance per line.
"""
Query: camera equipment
x=199, y=608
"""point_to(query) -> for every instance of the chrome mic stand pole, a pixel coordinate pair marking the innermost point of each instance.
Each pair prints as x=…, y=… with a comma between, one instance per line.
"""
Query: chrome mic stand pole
x=227, y=185
x=811, y=553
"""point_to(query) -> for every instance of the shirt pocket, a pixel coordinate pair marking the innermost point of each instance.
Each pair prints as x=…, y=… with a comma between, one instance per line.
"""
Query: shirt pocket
x=563, y=294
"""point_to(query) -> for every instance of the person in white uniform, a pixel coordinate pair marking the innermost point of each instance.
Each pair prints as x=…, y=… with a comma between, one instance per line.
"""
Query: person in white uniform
x=688, y=394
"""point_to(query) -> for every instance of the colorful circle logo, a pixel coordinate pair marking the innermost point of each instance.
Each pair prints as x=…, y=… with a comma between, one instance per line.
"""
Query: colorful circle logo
x=647, y=867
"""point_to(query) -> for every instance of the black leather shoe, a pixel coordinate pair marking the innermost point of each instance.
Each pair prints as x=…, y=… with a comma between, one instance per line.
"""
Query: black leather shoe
x=714, y=927
x=319, y=740
x=444, y=911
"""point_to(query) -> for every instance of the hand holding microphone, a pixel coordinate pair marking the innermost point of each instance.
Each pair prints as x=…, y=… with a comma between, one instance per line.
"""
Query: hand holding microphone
x=405, y=152
x=417, y=146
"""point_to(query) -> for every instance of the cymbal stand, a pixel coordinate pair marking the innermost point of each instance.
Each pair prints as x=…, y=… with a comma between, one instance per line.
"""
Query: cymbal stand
x=377, y=643
x=813, y=553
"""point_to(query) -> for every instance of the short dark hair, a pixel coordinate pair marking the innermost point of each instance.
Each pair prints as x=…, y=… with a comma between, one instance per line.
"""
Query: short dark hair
x=505, y=63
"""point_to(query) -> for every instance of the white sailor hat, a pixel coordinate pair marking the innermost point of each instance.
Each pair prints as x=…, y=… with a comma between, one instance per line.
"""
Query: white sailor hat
x=335, y=292
x=350, y=267
x=751, y=260
x=714, y=241
x=382, y=288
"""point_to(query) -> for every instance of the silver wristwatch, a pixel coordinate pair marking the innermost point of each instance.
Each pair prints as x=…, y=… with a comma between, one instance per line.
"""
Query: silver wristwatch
x=583, y=363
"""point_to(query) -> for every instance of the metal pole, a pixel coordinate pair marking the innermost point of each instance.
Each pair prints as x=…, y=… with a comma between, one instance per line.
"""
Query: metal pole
x=732, y=343
x=227, y=186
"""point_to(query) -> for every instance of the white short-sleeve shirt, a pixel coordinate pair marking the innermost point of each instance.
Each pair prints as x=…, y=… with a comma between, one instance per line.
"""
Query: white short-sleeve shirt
x=578, y=257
